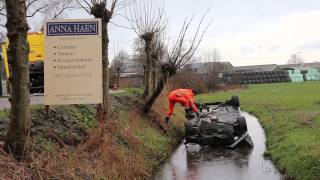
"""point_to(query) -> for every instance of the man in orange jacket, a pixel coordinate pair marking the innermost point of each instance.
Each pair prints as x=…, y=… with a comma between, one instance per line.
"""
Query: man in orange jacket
x=186, y=98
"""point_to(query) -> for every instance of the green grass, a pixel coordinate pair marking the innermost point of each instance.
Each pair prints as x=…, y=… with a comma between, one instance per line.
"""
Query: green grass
x=84, y=114
x=290, y=115
x=132, y=92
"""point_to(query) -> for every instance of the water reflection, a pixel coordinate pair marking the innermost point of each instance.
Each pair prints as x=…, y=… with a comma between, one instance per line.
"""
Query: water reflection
x=206, y=163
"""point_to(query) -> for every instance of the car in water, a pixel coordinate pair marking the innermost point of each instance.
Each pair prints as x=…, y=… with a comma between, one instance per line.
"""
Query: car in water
x=218, y=124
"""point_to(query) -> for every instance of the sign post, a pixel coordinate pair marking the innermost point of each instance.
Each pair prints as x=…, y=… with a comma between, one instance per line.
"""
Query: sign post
x=73, y=62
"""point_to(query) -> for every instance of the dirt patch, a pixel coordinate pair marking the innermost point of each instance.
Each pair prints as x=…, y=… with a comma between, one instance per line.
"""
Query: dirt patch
x=307, y=118
x=11, y=169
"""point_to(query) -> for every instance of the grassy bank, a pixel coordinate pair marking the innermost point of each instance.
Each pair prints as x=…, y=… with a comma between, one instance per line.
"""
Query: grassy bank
x=290, y=115
x=130, y=145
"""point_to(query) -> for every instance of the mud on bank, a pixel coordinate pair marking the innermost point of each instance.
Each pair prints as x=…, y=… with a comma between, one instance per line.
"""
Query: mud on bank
x=69, y=144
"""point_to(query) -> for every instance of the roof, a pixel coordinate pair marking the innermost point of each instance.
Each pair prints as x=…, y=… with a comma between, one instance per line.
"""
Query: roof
x=256, y=68
x=314, y=65
x=303, y=66
x=204, y=68
x=289, y=66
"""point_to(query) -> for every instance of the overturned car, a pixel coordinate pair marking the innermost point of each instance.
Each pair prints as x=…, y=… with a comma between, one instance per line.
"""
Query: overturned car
x=219, y=123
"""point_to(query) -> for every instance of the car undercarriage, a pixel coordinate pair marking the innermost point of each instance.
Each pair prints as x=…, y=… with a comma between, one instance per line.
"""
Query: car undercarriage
x=218, y=124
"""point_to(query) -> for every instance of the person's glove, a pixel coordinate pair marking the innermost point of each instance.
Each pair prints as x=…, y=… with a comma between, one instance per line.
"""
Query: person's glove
x=188, y=113
x=167, y=119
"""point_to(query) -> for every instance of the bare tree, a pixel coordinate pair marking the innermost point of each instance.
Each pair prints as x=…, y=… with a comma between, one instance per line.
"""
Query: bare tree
x=106, y=11
x=3, y=17
x=158, y=52
x=138, y=48
x=212, y=64
x=34, y=7
x=118, y=64
x=57, y=7
x=48, y=8
x=179, y=55
x=295, y=59
x=148, y=21
x=139, y=54
x=17, y=27
x=120, y=60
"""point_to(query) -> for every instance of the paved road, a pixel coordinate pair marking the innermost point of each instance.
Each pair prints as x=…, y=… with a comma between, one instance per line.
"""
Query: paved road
x=34, y=99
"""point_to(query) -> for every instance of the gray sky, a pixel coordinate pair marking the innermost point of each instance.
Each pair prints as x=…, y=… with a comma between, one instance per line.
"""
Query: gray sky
x=246, y=32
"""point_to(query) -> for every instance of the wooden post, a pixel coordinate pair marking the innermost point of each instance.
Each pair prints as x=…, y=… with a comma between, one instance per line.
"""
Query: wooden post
x=48, y=110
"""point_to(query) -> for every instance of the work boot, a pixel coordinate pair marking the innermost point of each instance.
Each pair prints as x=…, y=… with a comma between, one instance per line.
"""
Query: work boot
x=166, y=120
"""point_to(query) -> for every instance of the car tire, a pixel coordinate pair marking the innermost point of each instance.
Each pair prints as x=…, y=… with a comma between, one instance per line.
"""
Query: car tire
x=189, y=128
x=241, y=126
x=234, y=101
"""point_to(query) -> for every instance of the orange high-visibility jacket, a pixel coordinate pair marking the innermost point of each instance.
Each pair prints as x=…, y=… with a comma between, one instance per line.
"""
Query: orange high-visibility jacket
x=183, y=96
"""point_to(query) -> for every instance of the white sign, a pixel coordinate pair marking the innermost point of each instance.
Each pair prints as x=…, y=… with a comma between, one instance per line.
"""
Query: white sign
x=73, y=62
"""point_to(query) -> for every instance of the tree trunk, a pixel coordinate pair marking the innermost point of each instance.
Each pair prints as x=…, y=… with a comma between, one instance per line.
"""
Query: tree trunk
x=147, y=83
x=118, y=81
x=150, y=101
x=144, y=79
x=148, y=79
x=99, y=10
x=102, y=110
x=154, y=76
x=17, y=27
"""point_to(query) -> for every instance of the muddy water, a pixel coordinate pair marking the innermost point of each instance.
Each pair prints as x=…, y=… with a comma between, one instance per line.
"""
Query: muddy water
x=205, y=163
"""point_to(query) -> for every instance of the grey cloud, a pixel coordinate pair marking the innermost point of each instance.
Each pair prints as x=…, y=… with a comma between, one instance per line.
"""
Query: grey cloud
x=311, y=45
x=273, y=48
x=247, y=50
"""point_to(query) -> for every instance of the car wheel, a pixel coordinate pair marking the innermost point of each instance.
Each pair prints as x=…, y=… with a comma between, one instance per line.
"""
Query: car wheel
x=234, y=101
x=189, y=128
x=241, y=126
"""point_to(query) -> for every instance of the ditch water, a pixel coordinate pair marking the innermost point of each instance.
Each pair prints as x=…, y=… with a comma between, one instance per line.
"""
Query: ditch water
x=205, y=163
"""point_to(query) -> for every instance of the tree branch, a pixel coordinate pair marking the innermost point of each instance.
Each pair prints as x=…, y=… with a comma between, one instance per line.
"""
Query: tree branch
x=29, y=3
x=36, y=11
x=120, y=26
x=84, y=8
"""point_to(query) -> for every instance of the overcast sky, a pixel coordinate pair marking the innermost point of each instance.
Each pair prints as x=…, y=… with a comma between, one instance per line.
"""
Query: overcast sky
x=245, y=32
